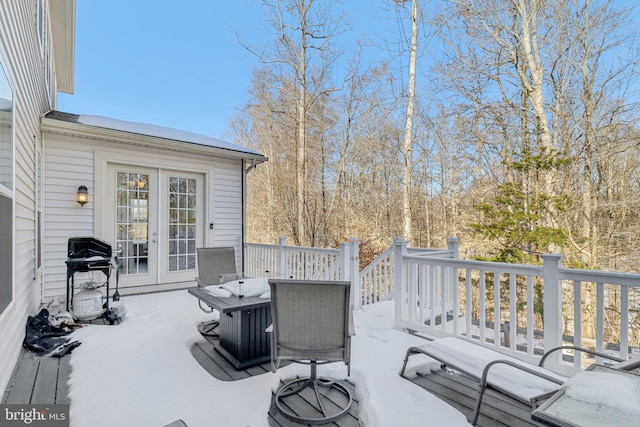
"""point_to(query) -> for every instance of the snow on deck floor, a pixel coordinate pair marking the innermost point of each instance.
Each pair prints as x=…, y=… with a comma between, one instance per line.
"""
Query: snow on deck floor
x=142, y=373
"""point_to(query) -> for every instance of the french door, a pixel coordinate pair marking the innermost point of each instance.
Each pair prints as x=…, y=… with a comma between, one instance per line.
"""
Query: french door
x=155, y=217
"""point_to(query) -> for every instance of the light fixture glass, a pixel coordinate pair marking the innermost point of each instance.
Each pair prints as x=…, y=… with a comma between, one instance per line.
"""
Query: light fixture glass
x=82, y=196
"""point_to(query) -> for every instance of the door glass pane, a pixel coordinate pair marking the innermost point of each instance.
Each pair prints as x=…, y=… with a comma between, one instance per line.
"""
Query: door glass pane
x=182, y=224
x=132, y=221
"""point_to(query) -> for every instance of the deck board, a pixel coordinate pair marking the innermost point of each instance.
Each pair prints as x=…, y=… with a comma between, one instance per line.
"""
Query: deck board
x=203, y=357
x=218, y=367
x=461, y=392
x=38, y=380
x=46, y=381
x=303, y=405
x=41, y=379
x=505, y=409
x=64, y=373
x=22, y=380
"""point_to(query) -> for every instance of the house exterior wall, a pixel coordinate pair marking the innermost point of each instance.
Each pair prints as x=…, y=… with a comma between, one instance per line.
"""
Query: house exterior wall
x=73, y=160
x=23, y=62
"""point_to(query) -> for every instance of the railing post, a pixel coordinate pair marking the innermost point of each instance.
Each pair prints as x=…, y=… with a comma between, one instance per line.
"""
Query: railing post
x=399, y=287
x=354, y=272
x=452, y=282
x=452, y=245
x=552, y=296
x=282, y=258
x=343, y=261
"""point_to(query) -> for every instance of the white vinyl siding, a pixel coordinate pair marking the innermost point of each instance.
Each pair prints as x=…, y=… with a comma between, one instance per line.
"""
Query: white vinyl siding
x=22, y=61
x=227, y=204
x=71, y=161
x=65, y=169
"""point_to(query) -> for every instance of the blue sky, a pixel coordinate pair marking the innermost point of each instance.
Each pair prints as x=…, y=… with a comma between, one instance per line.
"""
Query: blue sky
x=177, y=64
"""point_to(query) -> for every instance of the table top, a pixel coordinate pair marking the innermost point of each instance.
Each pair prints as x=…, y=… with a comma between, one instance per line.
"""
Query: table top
x=242, y=287
x=228, y=303
x=597, y=396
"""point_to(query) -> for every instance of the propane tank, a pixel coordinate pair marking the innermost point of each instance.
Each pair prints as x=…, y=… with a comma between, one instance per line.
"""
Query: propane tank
x=88, y=304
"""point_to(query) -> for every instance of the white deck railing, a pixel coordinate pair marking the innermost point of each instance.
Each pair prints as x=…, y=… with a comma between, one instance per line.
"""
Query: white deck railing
x=304, y=263
x=616, y=308
x=520, y=310
x=377, y=280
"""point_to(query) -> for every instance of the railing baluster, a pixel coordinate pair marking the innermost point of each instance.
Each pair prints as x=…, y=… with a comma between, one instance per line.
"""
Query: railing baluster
x=411, y=292
x=624, y=322
x=599, y=318
x=439, y=298
x=383, y=275
x=386, y=279
x=380, y=281
x=469, y=301
x=497, y=312
x=513, y=312
x=326, y=266
x=423, y=301
x=483, y=314
x=453, y=281
x=382, y=278
x=375, y=284
x=530, y=316
x=432, y=294
x=577, y=322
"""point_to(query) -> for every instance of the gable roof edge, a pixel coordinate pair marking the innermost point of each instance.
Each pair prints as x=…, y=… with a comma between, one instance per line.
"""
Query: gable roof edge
x=62, y=127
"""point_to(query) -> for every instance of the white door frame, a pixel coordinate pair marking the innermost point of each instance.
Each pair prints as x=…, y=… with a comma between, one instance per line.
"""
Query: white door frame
x=150, y=276
x=158, y=269
x=190, y=233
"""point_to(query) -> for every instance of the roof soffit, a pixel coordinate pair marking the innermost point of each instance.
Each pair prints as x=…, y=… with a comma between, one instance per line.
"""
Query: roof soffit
x=62, y=15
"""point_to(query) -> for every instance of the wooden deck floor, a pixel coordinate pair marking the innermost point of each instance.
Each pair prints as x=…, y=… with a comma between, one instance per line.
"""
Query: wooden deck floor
x=461, y=392
x=40, y=380
x=43, y=380
x=220, y=368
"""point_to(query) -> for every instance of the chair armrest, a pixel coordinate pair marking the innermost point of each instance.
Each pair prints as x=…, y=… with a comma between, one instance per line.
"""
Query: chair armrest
x=484, y=382
x=628, y=365
x=576, y=348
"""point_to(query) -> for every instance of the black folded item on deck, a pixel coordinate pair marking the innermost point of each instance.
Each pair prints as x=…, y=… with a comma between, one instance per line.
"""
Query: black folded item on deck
x=46, y=339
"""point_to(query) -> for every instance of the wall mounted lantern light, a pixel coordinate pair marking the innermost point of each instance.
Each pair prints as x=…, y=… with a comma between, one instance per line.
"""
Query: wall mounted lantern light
x=82, y=196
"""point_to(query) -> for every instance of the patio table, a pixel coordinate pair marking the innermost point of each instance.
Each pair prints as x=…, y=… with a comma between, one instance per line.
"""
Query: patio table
x=598, y=396
x=244, y=341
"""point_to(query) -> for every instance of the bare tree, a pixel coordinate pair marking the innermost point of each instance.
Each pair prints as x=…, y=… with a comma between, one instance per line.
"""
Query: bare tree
x=408, y=142
x=510, y=79
x=301, y=55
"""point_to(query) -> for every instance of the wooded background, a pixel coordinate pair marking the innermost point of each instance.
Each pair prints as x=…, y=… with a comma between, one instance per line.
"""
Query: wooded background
x=510, y=124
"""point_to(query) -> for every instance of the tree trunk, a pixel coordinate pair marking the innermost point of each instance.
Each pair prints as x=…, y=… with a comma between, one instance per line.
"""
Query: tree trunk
x=533, y=86
x=302, y=129
x=408, y=128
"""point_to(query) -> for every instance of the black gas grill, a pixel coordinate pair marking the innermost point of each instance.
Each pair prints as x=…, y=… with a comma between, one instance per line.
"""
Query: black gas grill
x=89, y=254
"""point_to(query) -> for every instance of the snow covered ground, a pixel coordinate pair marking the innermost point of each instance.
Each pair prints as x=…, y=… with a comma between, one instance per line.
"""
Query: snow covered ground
x=141, y=373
